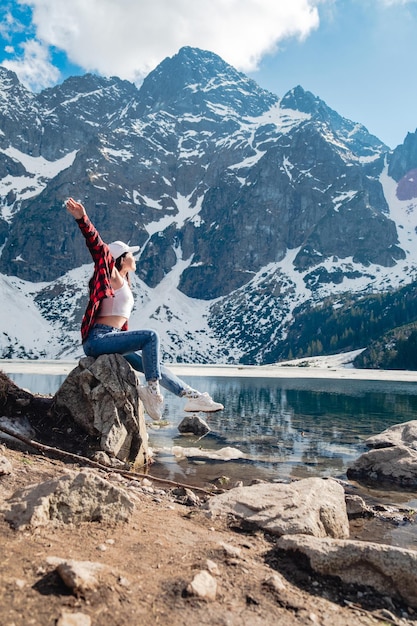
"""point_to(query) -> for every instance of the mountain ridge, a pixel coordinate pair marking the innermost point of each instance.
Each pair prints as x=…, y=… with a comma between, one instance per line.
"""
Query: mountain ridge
x=245, y=205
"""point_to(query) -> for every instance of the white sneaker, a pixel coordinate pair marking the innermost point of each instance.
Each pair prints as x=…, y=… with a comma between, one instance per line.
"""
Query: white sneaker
x=204, y=403
x=152, y=402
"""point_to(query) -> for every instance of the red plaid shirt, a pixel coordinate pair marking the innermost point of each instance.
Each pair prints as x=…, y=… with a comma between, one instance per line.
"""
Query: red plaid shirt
x=100, y=286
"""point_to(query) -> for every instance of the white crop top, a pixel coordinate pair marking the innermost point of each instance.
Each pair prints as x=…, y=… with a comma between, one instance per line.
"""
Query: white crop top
x=121, y=304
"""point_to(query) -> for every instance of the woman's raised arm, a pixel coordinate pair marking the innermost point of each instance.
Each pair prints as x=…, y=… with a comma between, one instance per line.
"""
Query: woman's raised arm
x=75, y=208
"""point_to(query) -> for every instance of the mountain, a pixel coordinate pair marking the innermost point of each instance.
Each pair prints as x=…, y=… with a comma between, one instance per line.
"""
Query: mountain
x=251, y=210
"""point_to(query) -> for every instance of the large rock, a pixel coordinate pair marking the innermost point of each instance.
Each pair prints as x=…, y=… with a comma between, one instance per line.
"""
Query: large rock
x=387, y=569
x=312, y=506
x=396, y=465
x=72, y=498
x=393, y=458
x=399, y=434
x=102, y=396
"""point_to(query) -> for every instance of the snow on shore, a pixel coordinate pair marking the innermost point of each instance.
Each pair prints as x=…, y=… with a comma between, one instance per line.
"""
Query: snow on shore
x=335, y=366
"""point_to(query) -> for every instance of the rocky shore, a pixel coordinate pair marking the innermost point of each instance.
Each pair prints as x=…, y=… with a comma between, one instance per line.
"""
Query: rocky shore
x=90, y=546
x=88, y=543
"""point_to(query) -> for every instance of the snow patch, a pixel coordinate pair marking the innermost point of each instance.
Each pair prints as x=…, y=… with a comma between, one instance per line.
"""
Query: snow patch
x=39, y=166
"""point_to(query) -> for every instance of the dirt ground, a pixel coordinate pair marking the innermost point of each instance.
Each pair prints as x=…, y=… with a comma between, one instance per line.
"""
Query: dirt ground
x=153, y=558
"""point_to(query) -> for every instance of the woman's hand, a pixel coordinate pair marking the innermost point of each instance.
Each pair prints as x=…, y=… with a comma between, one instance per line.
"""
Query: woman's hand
x=75, y=208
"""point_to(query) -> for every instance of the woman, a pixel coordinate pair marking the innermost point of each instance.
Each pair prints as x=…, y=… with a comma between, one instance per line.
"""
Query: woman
x=105, y=322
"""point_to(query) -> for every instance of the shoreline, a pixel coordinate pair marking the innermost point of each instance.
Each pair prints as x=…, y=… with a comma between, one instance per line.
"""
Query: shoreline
x=314, y=368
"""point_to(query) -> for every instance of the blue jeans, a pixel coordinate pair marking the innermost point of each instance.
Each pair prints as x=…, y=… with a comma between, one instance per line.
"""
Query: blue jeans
x=104, y=339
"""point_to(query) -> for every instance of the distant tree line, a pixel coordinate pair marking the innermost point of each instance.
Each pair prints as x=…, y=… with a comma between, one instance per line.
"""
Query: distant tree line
x=395, y=350
x=361, y=322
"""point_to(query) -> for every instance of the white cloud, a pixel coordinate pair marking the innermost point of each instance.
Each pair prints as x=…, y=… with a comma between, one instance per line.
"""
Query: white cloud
x=6, y=24
x=128, y=38
x=34, y=67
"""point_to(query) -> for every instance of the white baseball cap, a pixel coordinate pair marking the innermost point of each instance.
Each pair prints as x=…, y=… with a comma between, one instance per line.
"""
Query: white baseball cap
x=117, y=248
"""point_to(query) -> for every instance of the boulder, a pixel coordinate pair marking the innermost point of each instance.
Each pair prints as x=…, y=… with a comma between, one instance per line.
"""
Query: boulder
x=71, y=498
x=193, y=424
x=392, y=459
x=397, y=435
x=102, y=396
x=387, y=569
x=312, y=506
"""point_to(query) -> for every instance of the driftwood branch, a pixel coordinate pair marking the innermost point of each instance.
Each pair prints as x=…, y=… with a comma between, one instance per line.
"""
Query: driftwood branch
x=84, y=460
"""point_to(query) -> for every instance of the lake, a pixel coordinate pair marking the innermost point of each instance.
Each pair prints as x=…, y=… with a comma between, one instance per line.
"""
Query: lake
x=283, y=427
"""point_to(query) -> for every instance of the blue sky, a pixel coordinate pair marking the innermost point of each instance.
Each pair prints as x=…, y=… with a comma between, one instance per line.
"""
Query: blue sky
x=356, y=55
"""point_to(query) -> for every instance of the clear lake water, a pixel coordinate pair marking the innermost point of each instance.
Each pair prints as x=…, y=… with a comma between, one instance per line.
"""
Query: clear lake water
x=282, y=428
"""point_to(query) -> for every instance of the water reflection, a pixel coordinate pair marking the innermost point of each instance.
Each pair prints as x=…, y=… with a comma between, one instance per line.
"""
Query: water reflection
x=285, y=427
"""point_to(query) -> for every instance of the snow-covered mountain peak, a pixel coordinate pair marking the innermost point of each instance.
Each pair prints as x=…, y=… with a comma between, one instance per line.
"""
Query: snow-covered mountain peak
x=249, y=209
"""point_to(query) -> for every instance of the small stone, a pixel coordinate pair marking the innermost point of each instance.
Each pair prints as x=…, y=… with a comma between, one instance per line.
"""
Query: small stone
x=203, y=585
x=356, y=507
x=6, y=467
x=212, y=567
x=20, y=584
x=79, y=576
x=275, y=582
x=146, y=482
x=230, y=550
x=74, y=619
x=186, y=496
x=101, y=457
x=134, y=484
x=102, y=547
x=193, y=424
x=118, y=463
x=118, y=478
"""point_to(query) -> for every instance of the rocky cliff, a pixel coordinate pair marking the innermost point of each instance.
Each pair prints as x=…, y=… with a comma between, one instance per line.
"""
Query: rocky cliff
x=246, y=206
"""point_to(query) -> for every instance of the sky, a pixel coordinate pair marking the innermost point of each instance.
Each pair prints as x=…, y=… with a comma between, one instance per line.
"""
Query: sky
x=357, y=55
